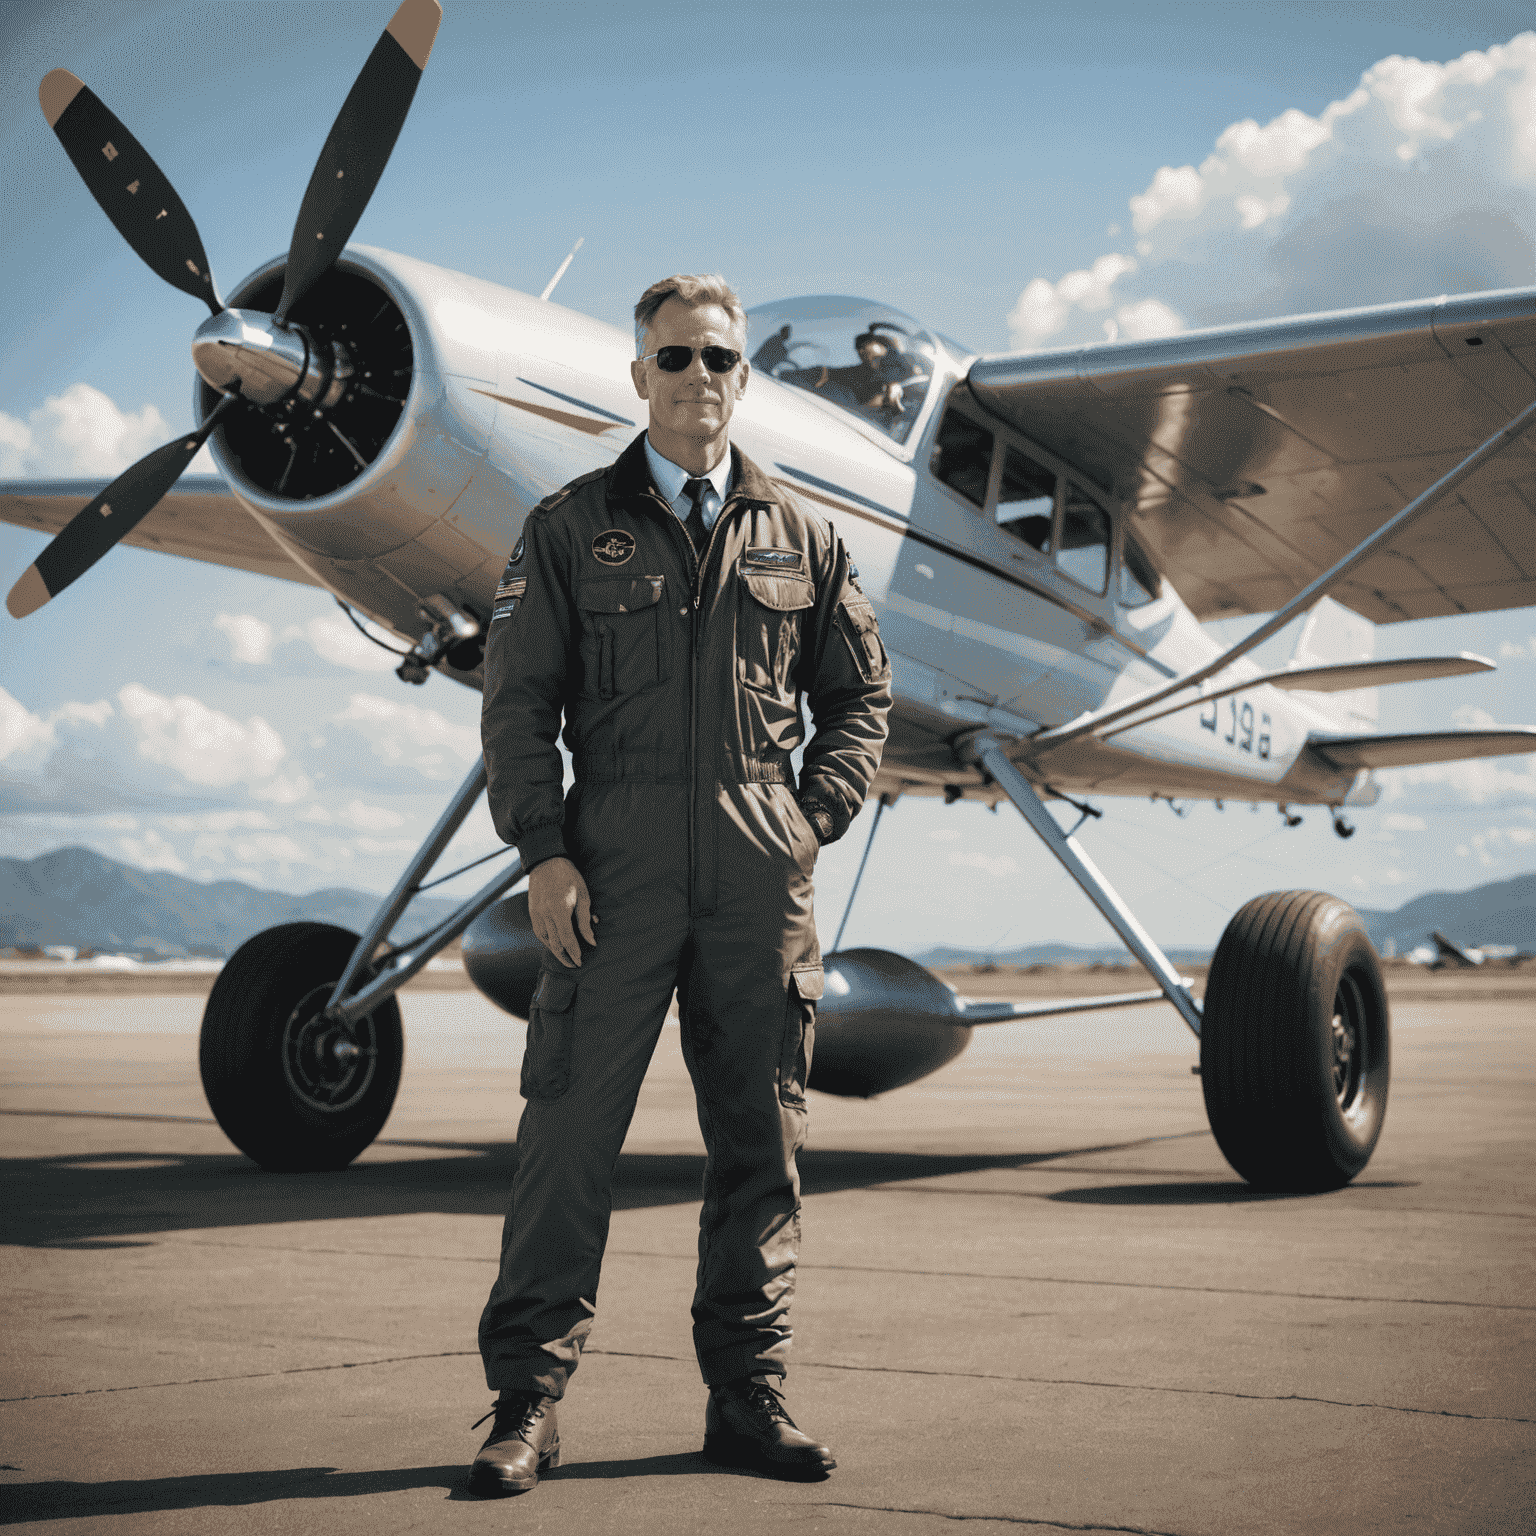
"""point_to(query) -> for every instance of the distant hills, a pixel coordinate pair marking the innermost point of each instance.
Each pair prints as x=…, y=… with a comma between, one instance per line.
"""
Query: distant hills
x=1501, y=913
x=73, y=896
x=77, y=897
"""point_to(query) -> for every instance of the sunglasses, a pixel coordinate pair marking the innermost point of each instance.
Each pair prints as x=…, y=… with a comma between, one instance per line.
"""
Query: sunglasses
x=675, y=359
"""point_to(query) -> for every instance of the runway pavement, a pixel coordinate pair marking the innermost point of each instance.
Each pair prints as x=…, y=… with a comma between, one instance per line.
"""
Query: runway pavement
x=1032, y=1297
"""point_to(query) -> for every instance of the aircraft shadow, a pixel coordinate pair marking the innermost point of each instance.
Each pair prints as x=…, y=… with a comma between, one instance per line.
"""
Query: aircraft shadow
x=111, y=1199
x=1201, y=1193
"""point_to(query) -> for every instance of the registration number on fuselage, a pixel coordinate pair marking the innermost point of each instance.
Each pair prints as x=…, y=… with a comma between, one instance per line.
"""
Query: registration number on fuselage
x=1248, y=729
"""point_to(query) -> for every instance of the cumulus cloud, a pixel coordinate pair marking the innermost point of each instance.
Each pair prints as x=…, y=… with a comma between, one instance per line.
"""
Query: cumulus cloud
x=1396, y=822
x=411, y=736
x=83, y=432
x=334, y=638
x=1418, y=182
x=141, y=750
x=250, y=638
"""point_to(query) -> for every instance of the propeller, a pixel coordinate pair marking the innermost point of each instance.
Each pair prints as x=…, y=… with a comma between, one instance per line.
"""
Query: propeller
x=138, y=198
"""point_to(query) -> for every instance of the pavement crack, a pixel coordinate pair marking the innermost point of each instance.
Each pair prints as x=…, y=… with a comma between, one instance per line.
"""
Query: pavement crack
x=203, y=1381
x=1112, y=1386
x=1134, y=1285
x=1050, y=1525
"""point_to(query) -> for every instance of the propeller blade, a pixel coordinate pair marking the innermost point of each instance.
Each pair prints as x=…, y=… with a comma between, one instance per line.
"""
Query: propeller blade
x=109, y=517
x=130, y=187
x=358, y=147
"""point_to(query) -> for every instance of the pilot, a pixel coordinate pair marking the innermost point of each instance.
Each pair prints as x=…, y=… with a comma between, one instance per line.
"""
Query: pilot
x=674, y=608
x=875, y=385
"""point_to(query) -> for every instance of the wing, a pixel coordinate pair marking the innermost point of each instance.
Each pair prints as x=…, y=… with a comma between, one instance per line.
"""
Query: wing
x=1253, y=457
x=199, y=519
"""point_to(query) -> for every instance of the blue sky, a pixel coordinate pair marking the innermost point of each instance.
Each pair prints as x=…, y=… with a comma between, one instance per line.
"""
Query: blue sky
x=1014, y=175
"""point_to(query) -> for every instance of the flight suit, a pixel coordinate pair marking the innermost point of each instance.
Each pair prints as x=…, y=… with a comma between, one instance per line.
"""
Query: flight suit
x=680, y=679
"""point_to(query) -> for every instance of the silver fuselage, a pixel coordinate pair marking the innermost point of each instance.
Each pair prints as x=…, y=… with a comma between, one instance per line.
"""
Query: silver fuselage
x=511, y=397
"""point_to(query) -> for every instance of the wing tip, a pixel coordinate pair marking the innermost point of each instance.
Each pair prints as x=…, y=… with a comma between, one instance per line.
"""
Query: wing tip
x=414, y=27
x=57, y=90
x=28, y=595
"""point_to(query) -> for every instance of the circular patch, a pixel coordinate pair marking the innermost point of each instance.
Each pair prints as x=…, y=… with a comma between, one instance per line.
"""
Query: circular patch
x=614, y=546
x=517, y=554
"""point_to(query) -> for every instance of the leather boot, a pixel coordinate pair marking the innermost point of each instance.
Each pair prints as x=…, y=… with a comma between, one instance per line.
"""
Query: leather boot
x=746, y=1425
x=523, y=1442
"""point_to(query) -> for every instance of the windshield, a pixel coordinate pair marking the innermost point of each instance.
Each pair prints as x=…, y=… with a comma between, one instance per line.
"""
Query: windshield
x=872, y=361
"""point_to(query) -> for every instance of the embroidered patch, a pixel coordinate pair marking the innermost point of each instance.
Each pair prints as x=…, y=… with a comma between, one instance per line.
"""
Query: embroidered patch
x=517, y=554
x=504, y=609
x=774, y=559
x=613, y=546
x=511, y=586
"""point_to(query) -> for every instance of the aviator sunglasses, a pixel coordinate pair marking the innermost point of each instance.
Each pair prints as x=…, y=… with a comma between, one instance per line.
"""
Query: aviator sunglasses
x=675, y=359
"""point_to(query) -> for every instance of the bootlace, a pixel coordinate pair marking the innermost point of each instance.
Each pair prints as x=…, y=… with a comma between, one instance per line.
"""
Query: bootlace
x=517, y=1411
x=767, y=1401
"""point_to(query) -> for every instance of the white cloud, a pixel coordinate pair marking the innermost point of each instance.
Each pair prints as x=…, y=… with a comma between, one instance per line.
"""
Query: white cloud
x=250, y=638
x=369, y=818
x=943, y=835
x=83, y=432
x=411, y=736
x=23, y=735
x=997, y=868
x=198, y=742
x=218, y=821
x=1396, y=822
x=1418, y=182
x=334, y=638
x=151, y=851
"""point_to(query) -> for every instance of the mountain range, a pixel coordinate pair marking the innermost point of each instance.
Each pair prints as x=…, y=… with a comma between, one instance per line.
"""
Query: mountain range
x=76, y=897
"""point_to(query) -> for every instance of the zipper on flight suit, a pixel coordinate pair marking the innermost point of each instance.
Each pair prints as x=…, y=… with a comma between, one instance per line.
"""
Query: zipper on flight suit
x=697, y=565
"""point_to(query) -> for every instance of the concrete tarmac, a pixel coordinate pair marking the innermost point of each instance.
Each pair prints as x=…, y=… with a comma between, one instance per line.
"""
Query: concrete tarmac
x=1032, y=1296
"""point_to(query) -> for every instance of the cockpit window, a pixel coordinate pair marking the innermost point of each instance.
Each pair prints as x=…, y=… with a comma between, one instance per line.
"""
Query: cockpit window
x=1139, y=582
x=962, y=456
x=876, y=363
x=1084, y=552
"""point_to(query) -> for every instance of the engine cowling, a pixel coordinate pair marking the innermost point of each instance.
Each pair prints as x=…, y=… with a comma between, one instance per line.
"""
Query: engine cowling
x=883, y=1021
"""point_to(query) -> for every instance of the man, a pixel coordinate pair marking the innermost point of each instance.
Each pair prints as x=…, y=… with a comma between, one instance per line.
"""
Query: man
x=674, y=608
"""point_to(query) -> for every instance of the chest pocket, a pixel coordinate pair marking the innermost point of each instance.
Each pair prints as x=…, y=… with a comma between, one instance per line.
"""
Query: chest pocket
x=768, y=610
x=622, y=637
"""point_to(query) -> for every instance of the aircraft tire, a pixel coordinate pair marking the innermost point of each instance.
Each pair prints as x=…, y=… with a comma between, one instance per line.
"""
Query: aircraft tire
x=271, y=1070
x=1295, y=1047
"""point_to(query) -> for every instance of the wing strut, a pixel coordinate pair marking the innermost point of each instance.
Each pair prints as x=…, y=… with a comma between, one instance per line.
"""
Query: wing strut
x=989, y=753
x=1094, y=722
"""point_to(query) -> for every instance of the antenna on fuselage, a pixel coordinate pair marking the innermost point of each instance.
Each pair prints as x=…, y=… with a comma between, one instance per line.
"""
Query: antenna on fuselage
x=549, y=287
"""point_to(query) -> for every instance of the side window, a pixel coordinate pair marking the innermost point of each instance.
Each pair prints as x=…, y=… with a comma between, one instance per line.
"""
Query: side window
x=1084, y=551
x=962, y=456
x=1139, y=582
x=1026, y=500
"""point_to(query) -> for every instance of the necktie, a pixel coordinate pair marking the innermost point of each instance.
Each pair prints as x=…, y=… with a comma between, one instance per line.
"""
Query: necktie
x=694, y=523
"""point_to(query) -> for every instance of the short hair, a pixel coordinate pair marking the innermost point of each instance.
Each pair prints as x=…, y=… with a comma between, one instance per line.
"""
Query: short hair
x=695, y=292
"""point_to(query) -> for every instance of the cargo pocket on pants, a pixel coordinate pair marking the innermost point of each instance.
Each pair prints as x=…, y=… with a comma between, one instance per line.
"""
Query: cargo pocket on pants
x=805, y=987
x=547, y=1054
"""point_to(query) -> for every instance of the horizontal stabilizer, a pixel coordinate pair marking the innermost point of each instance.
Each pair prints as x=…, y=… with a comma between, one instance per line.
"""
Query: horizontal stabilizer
x=1344, y=675
x=1336, y=677
x=1425, y=747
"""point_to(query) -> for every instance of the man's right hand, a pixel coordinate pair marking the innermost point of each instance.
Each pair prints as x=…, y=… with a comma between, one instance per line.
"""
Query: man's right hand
x=555, y=891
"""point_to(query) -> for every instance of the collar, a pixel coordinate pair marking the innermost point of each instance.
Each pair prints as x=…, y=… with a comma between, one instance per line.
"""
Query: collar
x=670, y=478
x=630, y=477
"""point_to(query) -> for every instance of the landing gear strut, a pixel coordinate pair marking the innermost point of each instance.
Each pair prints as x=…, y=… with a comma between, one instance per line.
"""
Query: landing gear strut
x=1295, y=1050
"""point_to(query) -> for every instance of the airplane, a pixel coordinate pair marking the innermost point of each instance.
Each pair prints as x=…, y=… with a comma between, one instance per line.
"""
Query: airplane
x=1041, y=535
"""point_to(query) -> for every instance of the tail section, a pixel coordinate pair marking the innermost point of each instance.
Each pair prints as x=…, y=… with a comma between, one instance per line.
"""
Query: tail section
x=1330, y=634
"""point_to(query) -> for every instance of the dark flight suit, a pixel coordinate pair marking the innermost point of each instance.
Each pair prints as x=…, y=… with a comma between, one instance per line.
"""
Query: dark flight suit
x=681, y=692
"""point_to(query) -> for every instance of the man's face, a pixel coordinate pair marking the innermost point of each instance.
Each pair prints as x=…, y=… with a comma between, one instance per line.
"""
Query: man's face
x=871, y=351
x=694, y=403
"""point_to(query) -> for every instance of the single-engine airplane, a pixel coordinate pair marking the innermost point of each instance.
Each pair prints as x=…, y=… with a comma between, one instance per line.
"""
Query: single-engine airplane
x=1041, y=535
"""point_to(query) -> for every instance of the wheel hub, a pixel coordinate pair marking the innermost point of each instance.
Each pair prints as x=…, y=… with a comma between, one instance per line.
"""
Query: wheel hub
x=1348, y=1056
x=328, y=1065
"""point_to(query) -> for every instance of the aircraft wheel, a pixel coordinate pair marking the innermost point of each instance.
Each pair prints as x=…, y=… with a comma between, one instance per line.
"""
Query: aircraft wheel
x=1295, y=1047
x=295, y=1093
